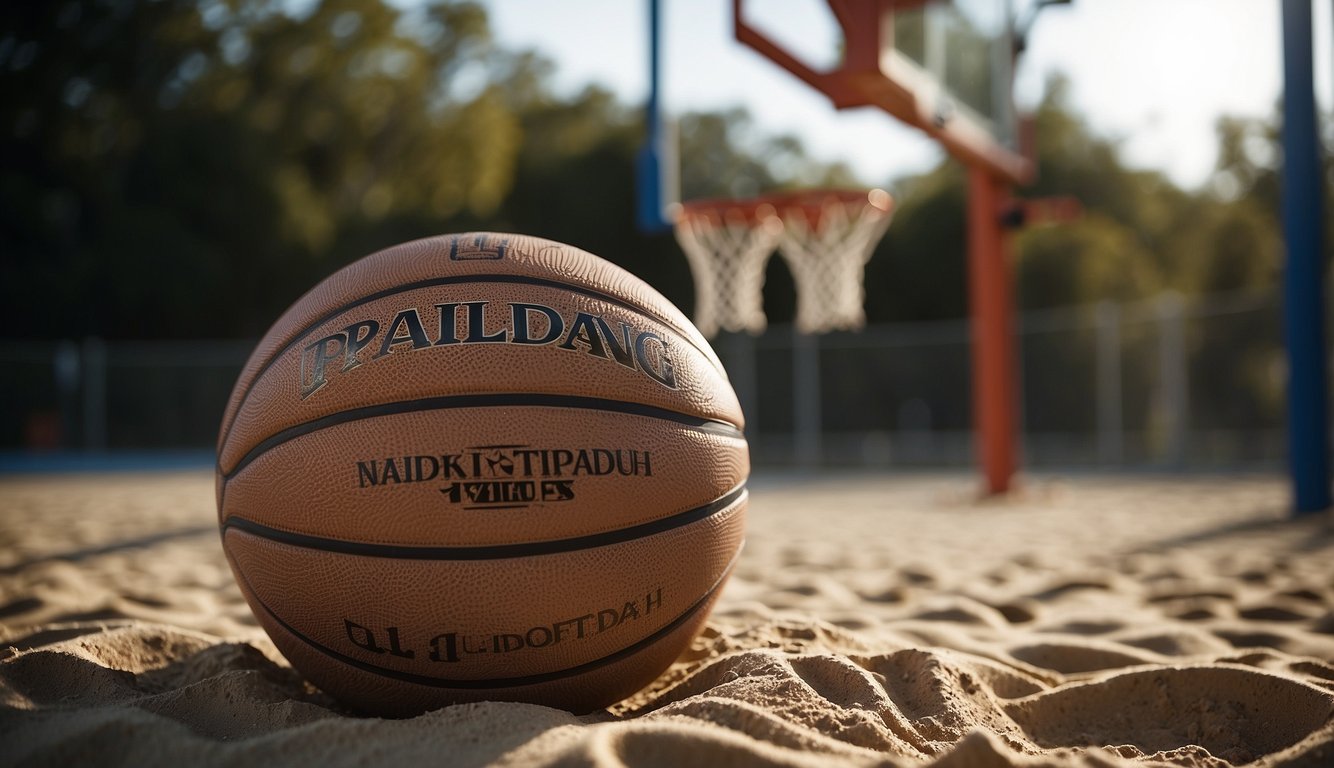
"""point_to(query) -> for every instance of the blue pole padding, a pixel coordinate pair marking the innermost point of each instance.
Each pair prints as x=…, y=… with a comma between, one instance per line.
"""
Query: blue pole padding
x=648, y=162
x=648, y=199
x=1303, y=277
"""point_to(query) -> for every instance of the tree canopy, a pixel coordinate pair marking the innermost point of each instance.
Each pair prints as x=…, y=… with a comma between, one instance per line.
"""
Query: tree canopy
x=187, y=168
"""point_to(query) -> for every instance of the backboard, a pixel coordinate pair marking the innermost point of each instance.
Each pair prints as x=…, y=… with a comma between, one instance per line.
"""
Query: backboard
x=943, y=66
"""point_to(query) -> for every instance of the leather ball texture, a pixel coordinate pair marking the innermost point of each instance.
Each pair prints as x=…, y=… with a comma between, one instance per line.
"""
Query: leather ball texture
x=482, y=467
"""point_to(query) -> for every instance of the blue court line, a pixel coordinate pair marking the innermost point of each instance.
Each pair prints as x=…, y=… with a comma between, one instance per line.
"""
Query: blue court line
x=19, y=462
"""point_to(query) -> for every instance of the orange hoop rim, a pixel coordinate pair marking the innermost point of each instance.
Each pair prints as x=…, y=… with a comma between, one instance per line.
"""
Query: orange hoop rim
x=808, y=204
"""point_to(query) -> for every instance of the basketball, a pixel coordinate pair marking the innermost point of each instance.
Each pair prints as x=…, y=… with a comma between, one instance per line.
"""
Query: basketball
x=481, y=467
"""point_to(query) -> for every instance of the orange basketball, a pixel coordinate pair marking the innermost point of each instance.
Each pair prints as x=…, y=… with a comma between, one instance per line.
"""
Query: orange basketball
x=482, y=467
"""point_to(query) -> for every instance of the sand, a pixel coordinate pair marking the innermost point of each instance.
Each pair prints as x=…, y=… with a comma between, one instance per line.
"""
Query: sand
x=873, y=620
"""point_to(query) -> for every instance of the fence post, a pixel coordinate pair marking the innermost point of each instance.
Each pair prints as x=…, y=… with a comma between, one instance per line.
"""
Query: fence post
x=94, y=394
x=1111, y=440
x=1173, y=392
x=66, y=365
x=806, y=397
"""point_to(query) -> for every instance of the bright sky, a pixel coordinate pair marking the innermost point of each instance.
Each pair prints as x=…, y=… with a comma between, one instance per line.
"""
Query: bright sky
x=1155, y=74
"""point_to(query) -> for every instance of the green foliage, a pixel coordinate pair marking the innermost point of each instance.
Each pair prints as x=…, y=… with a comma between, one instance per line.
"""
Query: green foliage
x=1114, y=251
x=573, y=183
x=918, y=271
x=723, y=155
x=1247, y=161
x=1095, y=259
x=1140, y=235
x=179, y=168
x=1232, y=246
x=186, y=168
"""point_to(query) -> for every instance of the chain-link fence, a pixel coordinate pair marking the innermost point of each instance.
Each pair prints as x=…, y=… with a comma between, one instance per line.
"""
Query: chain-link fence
x=1164, y=382
x=1169, y=382
x=109, y=396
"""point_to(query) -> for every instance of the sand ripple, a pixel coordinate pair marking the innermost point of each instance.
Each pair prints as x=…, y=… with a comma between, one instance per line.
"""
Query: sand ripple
x=1091, y=623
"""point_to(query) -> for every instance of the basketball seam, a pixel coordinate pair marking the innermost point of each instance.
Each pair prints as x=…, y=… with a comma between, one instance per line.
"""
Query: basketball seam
x=488, y=551
x=505, y=682
x=448, y=280
x=492, y=400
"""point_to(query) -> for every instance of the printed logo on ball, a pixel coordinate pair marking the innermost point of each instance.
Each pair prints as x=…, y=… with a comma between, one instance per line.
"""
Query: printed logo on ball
x=478, y=322
x=478, y=248
x=454, y=646
x=505, y=476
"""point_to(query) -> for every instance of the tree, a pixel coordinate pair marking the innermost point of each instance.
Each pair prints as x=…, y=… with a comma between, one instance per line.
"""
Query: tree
x=918, y=270
x=183, y=169
x=1095, y=259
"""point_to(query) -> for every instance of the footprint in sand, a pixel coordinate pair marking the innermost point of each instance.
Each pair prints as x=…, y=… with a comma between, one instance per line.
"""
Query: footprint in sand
x=1228, y=712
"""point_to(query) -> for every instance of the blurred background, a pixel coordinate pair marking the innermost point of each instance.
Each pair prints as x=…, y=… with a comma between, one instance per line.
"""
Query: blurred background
x=175, y=173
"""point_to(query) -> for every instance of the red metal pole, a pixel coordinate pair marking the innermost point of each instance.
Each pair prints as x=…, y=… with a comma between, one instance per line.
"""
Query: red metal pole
x=992, y=323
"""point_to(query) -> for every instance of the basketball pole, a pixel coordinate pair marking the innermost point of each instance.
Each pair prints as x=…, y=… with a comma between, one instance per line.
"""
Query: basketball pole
x=993, y=167
x=991, y=322
x=1303, y=274
x=648, y=161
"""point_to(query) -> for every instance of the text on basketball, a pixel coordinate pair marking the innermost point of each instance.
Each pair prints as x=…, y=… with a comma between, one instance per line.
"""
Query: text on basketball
x=508, y=475
x=454, y=646
x=484, y=322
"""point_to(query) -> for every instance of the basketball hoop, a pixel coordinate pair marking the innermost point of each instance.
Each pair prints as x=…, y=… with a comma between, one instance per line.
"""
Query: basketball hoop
x=825, y=236
x=727, y=243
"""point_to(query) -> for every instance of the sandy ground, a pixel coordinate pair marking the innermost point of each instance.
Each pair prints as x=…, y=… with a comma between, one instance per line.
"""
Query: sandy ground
x=873, y=620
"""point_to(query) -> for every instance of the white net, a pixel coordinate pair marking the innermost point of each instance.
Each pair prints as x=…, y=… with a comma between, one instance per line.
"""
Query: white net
x=828, y=257
x=727, y=251
x=826, y=238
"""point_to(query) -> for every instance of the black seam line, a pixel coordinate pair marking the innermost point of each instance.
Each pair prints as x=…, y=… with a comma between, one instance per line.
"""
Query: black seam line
x=488, y=552
x=449, y=280
x=509, y=682
x=495, y=400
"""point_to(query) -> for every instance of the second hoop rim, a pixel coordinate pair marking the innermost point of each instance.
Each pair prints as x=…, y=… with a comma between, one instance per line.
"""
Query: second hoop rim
x=807, y=203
